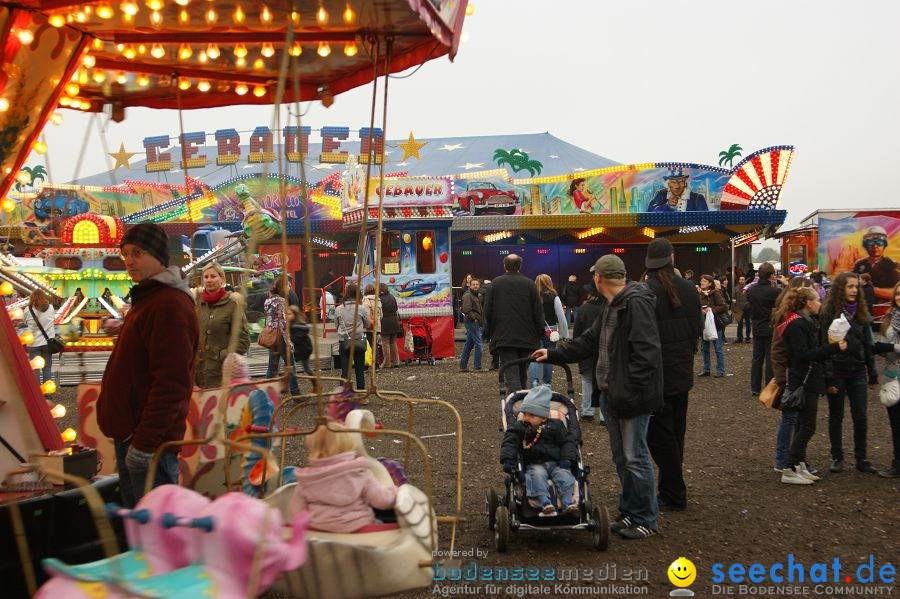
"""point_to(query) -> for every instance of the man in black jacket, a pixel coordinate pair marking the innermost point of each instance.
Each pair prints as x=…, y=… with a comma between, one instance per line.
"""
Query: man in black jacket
x=514, y=319
x=680, y=323
x=628, y=373
x=761, y=299
x=573, y=295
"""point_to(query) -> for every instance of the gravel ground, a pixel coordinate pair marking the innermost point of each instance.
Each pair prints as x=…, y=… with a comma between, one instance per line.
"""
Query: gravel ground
x=738, y=510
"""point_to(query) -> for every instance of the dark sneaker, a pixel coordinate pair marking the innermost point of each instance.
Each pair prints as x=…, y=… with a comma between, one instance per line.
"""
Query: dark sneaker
x=461, y=370
x=621, y=523
x=893, y=472
x=636, y=531
x=675, y=507
x=866, y=466
x=837, y=466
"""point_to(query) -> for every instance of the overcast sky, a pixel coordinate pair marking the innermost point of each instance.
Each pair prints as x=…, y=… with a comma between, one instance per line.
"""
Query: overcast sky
x=635, y=81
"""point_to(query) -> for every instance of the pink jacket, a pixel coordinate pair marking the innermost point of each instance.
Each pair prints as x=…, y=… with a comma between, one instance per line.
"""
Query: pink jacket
x=339, y=493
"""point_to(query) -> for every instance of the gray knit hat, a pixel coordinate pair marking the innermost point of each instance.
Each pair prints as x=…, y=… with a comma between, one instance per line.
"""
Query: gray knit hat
x=537, y=401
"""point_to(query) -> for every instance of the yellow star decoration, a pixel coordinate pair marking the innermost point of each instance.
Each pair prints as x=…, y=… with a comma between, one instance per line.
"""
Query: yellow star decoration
x=122, y=157
x=411, y=147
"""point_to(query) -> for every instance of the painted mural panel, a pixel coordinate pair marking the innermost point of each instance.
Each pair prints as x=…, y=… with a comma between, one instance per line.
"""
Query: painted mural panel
x=862, y=243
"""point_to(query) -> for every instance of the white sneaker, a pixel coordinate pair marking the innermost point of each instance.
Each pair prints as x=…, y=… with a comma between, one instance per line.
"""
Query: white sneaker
x=778, y=470
x=794, y=477
x=804, y=471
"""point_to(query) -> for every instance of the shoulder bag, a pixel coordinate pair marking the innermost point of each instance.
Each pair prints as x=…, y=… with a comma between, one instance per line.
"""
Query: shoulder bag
x=794, y=400
x=54, y=344
x=269, y=338
x=770, y=396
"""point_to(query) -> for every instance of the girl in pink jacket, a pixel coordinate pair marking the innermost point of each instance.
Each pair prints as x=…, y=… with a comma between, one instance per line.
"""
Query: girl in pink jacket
x=338, y=488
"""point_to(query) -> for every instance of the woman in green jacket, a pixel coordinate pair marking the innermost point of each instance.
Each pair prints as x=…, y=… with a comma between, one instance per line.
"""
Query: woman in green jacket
x=221, y=315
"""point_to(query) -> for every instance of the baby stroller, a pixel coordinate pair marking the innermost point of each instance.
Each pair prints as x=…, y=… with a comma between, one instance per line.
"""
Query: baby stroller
x=511, y=511
x=422, y=340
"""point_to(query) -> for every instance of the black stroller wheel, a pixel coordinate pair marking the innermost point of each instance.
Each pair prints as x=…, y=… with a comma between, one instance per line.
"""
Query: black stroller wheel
x=601, y=528
x=501, y=529
x=492, y=503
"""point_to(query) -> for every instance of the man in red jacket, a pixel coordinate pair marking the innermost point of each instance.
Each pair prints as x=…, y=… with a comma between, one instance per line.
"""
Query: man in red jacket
x=148, y=380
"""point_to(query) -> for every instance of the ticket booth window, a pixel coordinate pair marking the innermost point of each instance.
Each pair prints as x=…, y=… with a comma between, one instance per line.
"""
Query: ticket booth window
x=390, y=253
x=425, y=262
x=797, y=253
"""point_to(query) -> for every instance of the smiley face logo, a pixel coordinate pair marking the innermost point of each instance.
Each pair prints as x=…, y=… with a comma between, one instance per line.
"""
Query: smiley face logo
x=682, y=572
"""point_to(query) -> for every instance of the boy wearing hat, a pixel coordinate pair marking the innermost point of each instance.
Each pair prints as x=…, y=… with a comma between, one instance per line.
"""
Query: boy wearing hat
x=548, y=450
x=149, y=379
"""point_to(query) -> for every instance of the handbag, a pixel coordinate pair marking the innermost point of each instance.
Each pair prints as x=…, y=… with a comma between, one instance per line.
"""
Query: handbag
x=269, y=338
x=54, y=344
x=770, y=397
x=889, y=394
x=724, y=319
x=795, y=399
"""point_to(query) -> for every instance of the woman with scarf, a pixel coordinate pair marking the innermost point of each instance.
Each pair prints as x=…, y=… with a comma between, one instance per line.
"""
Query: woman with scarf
x=849, y=373
x=804, y=353
x=221, y=315
x=712, y=299
x=890, y=344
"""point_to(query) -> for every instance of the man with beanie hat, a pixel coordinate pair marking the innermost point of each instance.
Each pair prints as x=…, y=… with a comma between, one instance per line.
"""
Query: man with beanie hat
x=548, y=450
x=628, y=374
x=147, y=385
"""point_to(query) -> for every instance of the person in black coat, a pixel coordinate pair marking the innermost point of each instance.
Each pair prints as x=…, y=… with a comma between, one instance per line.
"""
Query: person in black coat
x=391, y=328
x=584, y=320
x=804, y=353
x=573, y=295
x=514, y=319
x=761, y=299
x=680, y=323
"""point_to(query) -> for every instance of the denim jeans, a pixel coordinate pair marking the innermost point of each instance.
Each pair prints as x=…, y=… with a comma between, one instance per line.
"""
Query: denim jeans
x=628, y=442
x=744, y=323
x=720, y=353
x=536, y=476
x=571, y=313
x=536, y=370
x=762, y=357
x=46, y=373
x=473, y=340
x=784, y=434
x=855, y=388
x=275, y=359
x=131, y=483
x=359, y=363
x=587, y=390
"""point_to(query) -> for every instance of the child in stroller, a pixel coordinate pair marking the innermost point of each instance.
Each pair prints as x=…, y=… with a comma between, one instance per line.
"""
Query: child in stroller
x=548, y=450
x=569, y=499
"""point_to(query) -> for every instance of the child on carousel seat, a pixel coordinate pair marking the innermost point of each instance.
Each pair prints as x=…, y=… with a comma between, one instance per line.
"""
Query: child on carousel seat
x=338, y=487
x=548, y=450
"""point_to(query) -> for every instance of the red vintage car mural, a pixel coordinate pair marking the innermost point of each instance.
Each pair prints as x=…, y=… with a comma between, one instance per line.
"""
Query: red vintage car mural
x=483, y=197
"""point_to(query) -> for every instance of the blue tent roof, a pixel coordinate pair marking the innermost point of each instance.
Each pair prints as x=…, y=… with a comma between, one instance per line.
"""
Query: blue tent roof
x=439, y=156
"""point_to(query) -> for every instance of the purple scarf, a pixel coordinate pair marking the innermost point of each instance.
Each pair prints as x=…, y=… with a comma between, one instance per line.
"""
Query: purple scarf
x=850, y=309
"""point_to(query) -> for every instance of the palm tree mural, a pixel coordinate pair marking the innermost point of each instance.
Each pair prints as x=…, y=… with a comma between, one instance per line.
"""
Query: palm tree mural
x=728, y=156
x=517, y=161
x=38, y=172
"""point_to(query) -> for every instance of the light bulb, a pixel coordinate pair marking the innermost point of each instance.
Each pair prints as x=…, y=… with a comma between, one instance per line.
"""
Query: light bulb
x=350, y=49
x=49, y=387
x=26, y=338
x=240, y=62
x=129, y=52
x=25, y=36
x=97, y=44
x=81, y=16
x=24, y=177
x=157, y=51
x=267, y=50
x=72, y=89
x=470, y=8
x=322, y=16
x=154, y=4
x=59, y=410
x=259, y=64
x=324, y=49
x=212, y=50
x=184, y=84
x=349, y=15
x=211, y=16
x=17, y=314
x=89, y=60
x=259, y=91
x=99, y=76
x=156, y=18
x=6, y=288
x=8, y=206
x=295, y=18
x=142, y=80
x=63, y=101
x=265, y=15
x=184, y=17
x=240, y=50
x=37, y=362
x=120, y=47
x=129, y=7
x=85, y=106
x=202, y=58
x=121, y=78
x=185, y=52
x=182, y=2
x=104, y=11
x=296, y=49
x=240, y=89
x=69, y=435
x=40, y=147
x=204, y=85
x=56, y=20
x=4, y=104
x=75, y=104
x=238, y=16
